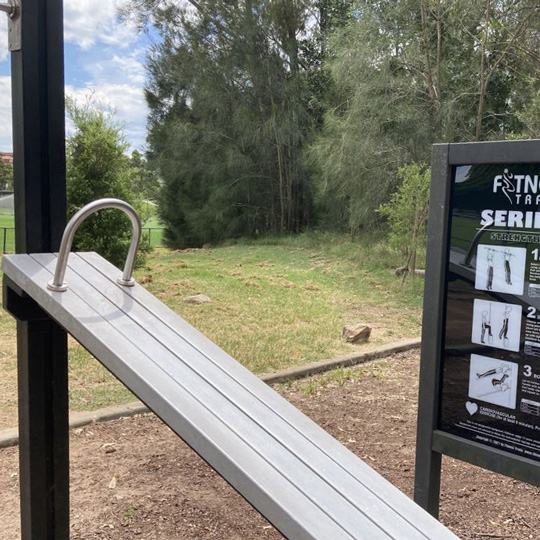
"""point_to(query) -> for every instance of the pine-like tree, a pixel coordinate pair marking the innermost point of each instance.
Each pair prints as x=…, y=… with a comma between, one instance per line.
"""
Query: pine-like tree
x=411, y=73
x=234, y=98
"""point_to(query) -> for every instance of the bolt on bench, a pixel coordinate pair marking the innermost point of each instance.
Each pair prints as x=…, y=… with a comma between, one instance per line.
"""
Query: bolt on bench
x=293, y=472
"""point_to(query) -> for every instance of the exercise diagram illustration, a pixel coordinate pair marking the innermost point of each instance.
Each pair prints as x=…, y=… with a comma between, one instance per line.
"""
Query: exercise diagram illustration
x=503, y=334
x=493, y=381
x=496, y=324
x=489, y=258
x=500, y=269
x=486, y=327
x=507, y=268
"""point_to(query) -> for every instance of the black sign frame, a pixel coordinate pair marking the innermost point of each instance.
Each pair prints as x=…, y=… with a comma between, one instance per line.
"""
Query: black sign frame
x=432, y=442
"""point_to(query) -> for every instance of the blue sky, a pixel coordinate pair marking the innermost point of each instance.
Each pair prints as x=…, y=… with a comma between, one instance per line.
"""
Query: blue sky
x=104, y=58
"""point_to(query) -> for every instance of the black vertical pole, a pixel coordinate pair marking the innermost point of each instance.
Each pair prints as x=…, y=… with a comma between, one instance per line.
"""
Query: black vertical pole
x=40, y=214
x=428, y=462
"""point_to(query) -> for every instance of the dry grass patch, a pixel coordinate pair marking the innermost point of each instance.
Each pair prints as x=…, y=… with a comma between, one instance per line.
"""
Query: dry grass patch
x=273, y=307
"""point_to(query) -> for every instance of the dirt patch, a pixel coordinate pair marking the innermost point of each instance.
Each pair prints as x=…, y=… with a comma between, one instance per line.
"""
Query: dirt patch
x=134, y=478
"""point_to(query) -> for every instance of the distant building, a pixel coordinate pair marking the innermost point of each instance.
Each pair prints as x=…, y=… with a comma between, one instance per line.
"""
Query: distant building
x=7, y=157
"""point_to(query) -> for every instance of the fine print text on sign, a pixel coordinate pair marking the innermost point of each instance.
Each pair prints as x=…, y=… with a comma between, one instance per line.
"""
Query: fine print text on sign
x=491, y=360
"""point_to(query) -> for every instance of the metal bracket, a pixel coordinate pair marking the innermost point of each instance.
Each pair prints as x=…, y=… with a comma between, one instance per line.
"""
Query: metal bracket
x=19, y=305
x=13, y=10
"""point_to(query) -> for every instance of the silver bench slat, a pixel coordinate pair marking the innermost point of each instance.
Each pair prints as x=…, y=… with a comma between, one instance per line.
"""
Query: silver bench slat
x=299, y=477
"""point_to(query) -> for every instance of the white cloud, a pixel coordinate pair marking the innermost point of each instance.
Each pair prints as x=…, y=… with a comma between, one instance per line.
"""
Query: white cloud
x=132, y=66
x=127, y=67
x=126, y=101
x=88, y=22
x=117, y=77
x=6, y=141
x=3, y=37
x=114, y=74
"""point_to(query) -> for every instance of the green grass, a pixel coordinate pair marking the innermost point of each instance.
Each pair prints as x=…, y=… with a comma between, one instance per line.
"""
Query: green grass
x=153, y=229
x=7, y=220
x=153, y=222
x=154, y=235
x=7, y=233
x=339, y=376
x=276, y=303
x=284, y=304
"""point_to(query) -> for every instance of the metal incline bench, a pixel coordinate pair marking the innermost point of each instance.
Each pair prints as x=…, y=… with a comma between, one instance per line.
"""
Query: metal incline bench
x=293, y=472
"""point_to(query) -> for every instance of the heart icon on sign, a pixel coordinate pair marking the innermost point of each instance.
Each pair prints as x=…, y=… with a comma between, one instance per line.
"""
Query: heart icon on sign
x=471, y=407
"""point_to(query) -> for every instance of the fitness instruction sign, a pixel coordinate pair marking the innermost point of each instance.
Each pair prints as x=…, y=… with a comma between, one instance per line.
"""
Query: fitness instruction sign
x=491, y=358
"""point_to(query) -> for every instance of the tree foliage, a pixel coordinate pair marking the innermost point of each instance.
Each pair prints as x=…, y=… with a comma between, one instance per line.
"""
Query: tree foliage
x=97, y=167
x=415, y=72
x=6, y=176
x=407, y=211
x=270, y=115
x=234, y=95
x=144, y=178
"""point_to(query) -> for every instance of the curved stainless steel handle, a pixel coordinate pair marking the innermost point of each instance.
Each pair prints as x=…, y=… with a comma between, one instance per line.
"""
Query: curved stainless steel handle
x=57, y=284
x=10, y=8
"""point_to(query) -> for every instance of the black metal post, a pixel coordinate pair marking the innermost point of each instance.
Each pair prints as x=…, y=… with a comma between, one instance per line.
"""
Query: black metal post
x=40, y=214
x=428, y=461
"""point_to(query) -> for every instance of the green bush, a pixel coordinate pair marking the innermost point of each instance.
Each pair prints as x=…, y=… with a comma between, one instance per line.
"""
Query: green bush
x=407, y=212
x=97, y=167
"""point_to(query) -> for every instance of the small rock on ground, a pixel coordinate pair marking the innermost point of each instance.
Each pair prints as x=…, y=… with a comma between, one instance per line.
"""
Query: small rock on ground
x=197, y=299
x=357, y=333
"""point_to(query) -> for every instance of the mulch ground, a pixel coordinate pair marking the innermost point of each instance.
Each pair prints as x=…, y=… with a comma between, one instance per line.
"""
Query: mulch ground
x=133, y=478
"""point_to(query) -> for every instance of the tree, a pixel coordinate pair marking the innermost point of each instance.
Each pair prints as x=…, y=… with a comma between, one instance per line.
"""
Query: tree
x=508, y=39
x=144, y=179
x=229, y=119
x=411, y=73
x=328, y=17
x=407, y=212
x=235, y=91
x=6, y=176
x=97, y=167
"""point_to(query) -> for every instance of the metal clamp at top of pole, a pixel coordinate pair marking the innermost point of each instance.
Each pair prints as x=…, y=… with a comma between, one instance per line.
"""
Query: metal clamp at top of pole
x=57, y=284
x=10, y=8
x=13, y=9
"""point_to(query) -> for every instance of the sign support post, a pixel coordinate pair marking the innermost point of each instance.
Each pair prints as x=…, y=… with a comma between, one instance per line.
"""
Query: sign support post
x=40, y=215
x=428, y=462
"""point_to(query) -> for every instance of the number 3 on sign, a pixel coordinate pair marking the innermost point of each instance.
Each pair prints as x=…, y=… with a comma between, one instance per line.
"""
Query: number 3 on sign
x=527, y=371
